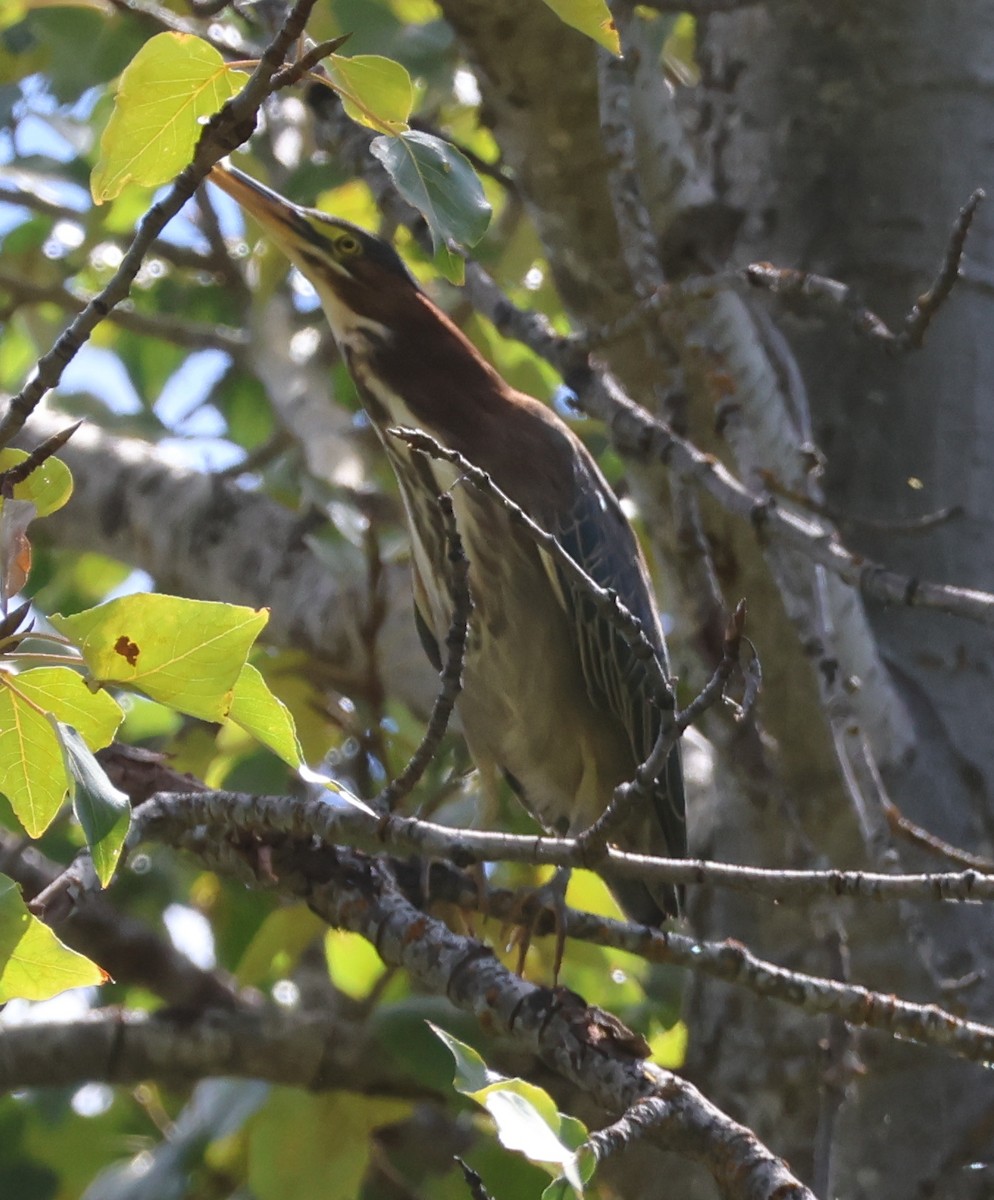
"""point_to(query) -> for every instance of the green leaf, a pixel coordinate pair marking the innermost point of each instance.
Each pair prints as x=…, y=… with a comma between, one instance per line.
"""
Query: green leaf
x=526, y=1117
x=256, y=710
x=32, y=773
x=186, y=653
x=353, y=964
x=48, y=487
x=165, y=92
x=440, y=182
x=591, y=17
x=669, y=1046
x=63, y=693
x=451, y=266
x=375, y=91
x=34, y=964
x=472, y=1073
x=103, y=812
x=278, y=943
x=315, y=1147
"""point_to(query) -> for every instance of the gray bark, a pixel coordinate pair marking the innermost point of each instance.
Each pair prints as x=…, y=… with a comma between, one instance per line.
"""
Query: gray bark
x=848, y=136
x=825, y=135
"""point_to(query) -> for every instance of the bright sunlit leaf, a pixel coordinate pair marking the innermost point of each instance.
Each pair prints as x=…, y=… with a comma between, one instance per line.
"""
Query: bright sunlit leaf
x=353, y=964
x=185, y=653
x=591, y=17
x=375, y=91
x=48, y=487
x=11, y=12
x=525, y=1115
x=32, y=772
x=63, y=693
x=34, y=964
x=172, y=84
x=669, y=1046
x=266, y=718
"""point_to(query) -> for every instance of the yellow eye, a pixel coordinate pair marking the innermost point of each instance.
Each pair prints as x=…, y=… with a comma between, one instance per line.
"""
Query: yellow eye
x=347, y=245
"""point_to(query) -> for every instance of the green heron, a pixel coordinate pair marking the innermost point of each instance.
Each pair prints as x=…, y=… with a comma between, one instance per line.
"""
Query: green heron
x=554, y=700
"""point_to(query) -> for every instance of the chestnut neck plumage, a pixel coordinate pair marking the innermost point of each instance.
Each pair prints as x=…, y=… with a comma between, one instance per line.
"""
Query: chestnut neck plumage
x=418, y=370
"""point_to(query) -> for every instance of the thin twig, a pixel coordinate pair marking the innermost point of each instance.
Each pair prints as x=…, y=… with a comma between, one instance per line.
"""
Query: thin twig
x=272, y=816
x=734, y=963
x=473, y=1181
x=927, y=1024
x=918, y=836
x=918, y=320
x=169, y=814
x=789, y=282
x=21, y=471
x=906, y=525
x=296, y=70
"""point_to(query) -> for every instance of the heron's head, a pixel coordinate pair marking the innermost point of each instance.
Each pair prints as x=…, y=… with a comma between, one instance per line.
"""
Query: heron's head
x=359, y=278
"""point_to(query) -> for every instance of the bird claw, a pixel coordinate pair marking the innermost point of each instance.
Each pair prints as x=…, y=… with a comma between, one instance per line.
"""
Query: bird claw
x=532, y=906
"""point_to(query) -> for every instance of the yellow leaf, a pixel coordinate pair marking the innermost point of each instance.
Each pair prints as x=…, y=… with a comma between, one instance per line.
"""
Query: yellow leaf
x=266, y=718
x=48, y=487
x=164, y=95
x=375, y=91
x=33, y=774
x=63, y=693
x=591, y=17
x=669, y=1046
x=34, y=964
x=185, y=653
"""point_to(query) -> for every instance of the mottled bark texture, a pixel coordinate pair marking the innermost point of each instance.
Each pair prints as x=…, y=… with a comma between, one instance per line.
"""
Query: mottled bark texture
x=842, y=138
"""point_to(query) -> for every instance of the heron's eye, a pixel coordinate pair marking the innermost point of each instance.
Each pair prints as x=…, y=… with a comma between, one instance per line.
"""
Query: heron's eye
x=347, y=245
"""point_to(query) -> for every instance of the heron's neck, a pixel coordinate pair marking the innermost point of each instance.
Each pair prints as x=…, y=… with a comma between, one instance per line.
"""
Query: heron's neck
x=423, y=371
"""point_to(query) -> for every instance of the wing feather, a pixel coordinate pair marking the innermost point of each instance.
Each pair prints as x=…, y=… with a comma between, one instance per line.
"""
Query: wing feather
x=596, y=535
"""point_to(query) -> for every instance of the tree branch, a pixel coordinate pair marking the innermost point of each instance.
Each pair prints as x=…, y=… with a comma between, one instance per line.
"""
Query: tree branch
x=170, y=816
x=585, y=1045
x=311, y=1050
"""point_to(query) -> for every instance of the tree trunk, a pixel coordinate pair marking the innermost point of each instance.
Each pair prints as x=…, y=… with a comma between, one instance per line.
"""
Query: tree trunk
x=849, y=135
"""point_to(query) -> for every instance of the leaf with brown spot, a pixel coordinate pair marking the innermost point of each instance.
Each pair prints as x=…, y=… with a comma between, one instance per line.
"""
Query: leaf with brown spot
x=127, y=649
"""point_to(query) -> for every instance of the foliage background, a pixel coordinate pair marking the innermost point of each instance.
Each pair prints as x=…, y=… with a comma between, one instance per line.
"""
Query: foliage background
x=213, y=465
